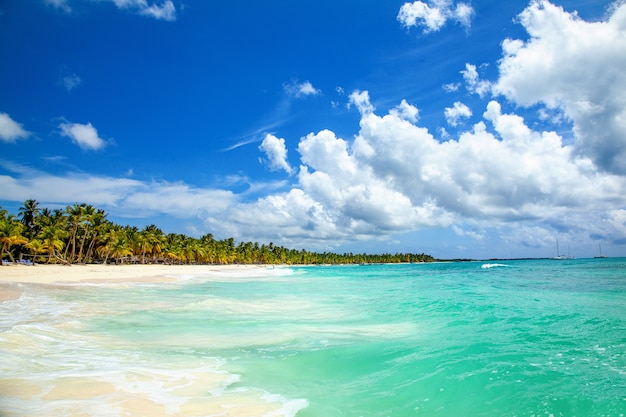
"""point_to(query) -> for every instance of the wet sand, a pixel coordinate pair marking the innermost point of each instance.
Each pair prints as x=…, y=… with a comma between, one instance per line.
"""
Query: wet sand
x=12, y=275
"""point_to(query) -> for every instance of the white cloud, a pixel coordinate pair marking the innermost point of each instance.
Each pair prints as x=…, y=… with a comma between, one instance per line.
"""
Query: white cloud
x=307, y=89
x=10, y=130
x=395, y=176
x=456, y=113
x=84, y=135
x=451, y=88
x=276, y=153
x=127, y=197
x=361, y=100
x=576, y=67
x=301, y=89
x=463, y=13
x=434, y=14
x=163, y=11
x=177, y=199
x=405, y=111
x=473, y=83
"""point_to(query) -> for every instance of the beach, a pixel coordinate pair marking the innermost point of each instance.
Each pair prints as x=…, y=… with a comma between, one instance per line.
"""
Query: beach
x=55, y=274
x=50, y=367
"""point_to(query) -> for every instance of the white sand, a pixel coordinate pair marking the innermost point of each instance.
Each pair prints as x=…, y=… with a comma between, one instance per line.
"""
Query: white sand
x=50, y=274
x=82, y=390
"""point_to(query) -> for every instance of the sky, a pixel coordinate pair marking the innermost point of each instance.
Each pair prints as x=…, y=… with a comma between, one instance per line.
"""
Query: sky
x=461, y=129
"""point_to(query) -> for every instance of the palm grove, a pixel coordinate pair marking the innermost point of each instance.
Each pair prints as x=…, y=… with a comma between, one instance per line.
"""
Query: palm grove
x=82, y=234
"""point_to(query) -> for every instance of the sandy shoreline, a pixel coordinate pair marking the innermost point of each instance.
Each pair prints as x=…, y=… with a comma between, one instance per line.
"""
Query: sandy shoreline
x=49, y=274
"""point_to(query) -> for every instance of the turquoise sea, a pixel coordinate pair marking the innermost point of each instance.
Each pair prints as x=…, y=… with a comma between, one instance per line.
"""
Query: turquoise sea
x=506, y=338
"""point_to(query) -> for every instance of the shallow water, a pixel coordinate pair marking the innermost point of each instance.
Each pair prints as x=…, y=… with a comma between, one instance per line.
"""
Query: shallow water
x=515, y=338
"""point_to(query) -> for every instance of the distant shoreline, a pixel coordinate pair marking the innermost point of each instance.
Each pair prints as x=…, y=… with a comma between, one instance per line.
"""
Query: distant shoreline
x=13, y=275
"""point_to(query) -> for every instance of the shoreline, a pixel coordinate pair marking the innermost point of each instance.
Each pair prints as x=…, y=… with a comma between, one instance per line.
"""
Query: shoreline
x=13, y=275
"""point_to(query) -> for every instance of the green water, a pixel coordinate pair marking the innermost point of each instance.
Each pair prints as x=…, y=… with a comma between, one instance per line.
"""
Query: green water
x=516, y=338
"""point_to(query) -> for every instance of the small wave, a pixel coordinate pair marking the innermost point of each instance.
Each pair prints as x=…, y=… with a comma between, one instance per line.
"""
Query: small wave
x=487, y=266
x=246, y=273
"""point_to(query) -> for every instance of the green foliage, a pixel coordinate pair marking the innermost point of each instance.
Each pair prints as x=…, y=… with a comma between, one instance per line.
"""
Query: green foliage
x=82, y=234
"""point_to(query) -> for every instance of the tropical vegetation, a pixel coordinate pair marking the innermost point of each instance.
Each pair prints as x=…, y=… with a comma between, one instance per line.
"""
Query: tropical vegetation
x=82, y=234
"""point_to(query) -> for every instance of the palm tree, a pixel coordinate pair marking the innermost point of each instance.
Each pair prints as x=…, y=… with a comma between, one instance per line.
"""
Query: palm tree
x=86, y=221
x=10, y=234
x=120, y=248
x=106, y=240
x=86, y=235
x=74, y=219
x=99, y=225
x=52, y=238
x=151, y=241
x=29, y=211
x=36, y=246
x=209, y=248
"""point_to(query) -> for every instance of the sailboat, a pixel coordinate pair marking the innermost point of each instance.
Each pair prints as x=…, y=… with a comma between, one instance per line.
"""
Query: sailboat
x=560, y=257
x=600, y=252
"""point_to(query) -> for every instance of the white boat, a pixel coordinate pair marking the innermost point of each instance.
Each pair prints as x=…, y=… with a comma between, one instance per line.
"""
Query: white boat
x=560, y=257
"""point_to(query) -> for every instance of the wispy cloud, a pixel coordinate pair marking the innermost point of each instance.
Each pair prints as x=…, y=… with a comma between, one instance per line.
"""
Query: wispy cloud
x=162, y=11
x=125, y=196
x=165, y=11
x=61, y=5
x=303, y=89
x=70, y=81
x=256, y=136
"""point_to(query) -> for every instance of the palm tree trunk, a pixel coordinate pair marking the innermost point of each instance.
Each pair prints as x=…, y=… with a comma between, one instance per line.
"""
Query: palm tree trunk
x=90, y=248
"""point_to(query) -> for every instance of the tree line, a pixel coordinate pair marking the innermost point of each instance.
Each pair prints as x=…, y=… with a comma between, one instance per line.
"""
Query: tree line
x=82, y=234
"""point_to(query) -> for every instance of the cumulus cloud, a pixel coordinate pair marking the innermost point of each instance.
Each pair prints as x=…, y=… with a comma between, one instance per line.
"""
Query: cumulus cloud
x=434, y=14
x=301, y=89
x=84, y=135
x=10, y=130
x=405, y=111
x=395, y=176
x=457, y=112
x=577, y=68
x=361, y=100
x=276, y=153
x=163, y=11
x=473, y=83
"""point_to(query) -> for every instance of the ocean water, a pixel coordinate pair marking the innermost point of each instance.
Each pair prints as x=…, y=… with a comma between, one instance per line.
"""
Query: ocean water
x=515, y=338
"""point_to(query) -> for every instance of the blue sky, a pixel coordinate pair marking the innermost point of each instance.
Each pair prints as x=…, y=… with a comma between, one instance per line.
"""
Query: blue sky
x=460, y=129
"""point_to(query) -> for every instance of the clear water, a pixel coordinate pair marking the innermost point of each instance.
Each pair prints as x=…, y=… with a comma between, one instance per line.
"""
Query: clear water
x=516, y=338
